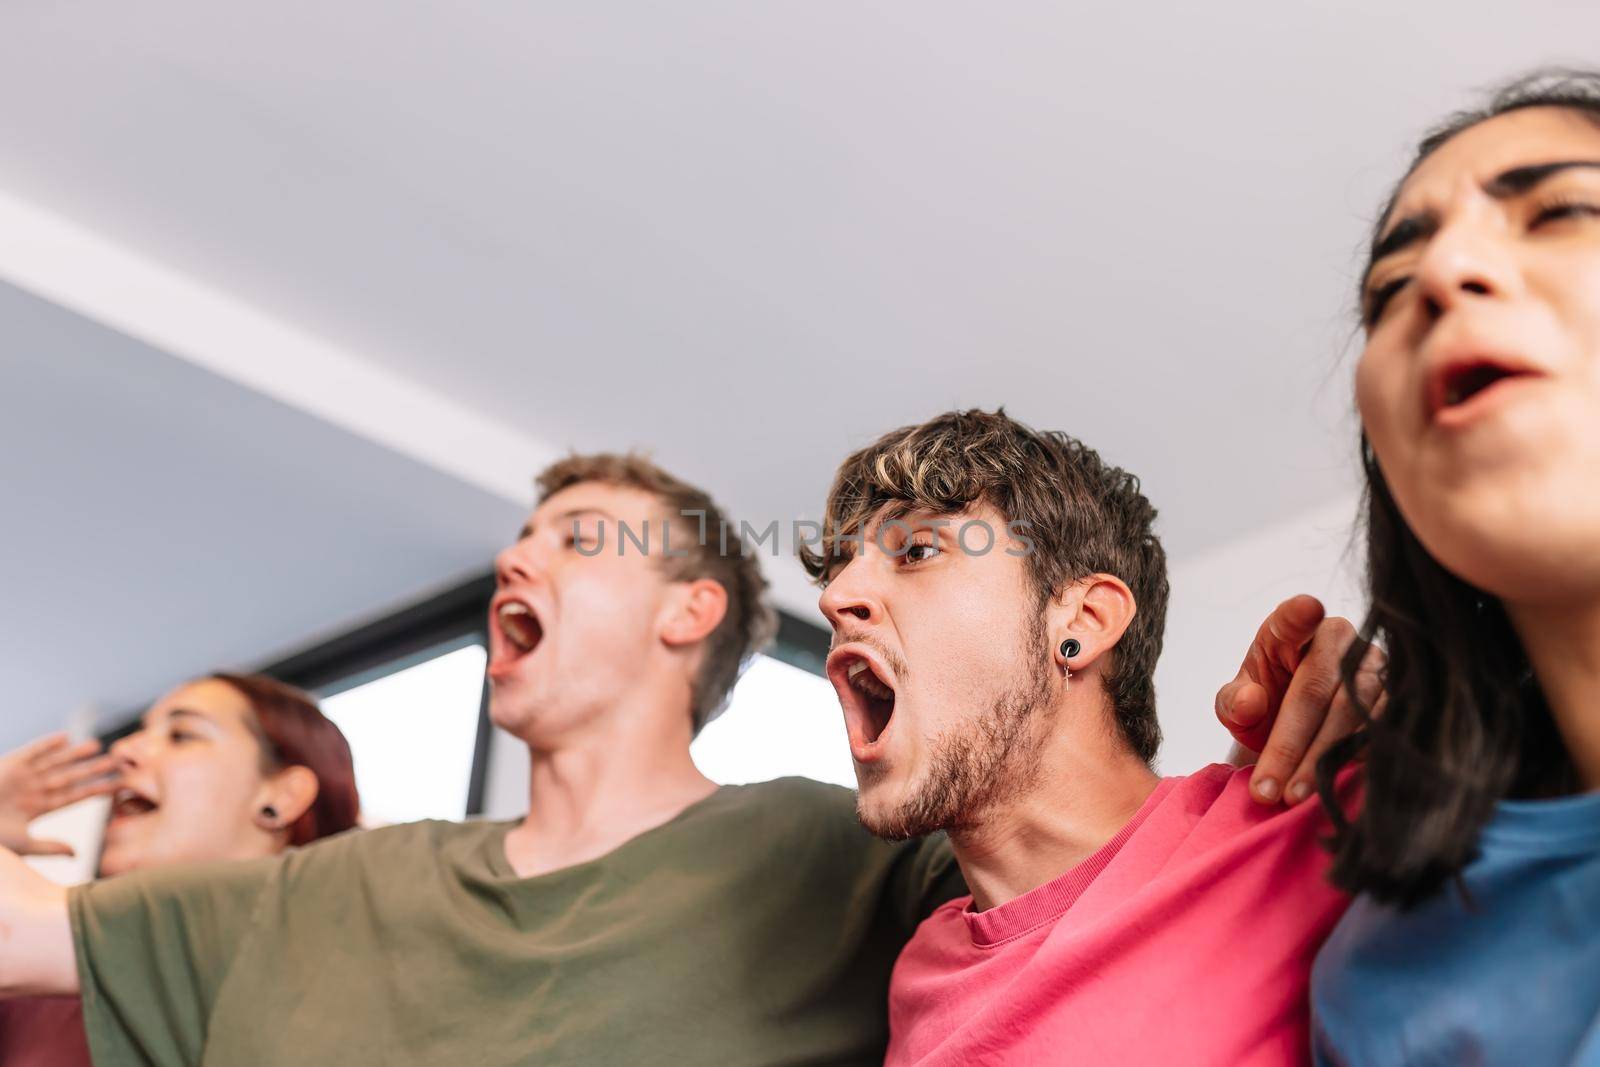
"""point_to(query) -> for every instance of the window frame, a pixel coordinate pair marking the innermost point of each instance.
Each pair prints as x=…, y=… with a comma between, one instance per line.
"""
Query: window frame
x=451, y=619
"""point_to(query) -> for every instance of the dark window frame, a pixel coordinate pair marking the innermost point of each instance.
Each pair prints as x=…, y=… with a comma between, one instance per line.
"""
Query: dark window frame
x=457, y=616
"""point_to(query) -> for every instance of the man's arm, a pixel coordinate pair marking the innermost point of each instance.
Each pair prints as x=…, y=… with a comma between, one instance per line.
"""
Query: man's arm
x=36, y=957
x=1288, y=703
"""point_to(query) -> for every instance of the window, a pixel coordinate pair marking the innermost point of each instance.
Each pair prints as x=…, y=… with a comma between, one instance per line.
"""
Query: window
x=783, y=720
x=413, y=731
x=408, y=692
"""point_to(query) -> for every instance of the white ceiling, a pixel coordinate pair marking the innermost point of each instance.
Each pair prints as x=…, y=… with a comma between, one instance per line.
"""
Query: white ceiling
x=750, y=236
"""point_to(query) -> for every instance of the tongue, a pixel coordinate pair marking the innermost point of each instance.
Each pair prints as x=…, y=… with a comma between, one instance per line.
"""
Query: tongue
x=524, y=631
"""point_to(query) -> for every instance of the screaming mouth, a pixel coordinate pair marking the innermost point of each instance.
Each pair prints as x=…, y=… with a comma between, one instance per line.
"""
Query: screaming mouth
x=520, y=626
x=870, y=700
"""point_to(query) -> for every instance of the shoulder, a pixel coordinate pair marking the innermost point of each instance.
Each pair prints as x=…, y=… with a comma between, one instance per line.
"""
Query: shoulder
x=787, y=806
x=177, y=885
x=1217, y=802
x=394, y=848
x=802, y=814
x=798, y=794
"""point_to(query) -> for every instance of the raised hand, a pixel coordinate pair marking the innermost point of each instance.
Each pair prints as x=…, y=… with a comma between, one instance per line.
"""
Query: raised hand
x=42, y=776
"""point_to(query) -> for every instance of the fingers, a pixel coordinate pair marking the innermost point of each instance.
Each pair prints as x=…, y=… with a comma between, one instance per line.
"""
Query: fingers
x=1246, y=705
x=1369, y=679
x=1369, y=690
x=78, y=781
x=102, y=787
x=33, y=846
x=1288, y=630
x=72, y=774
x=1343, y=720
x=1241, y=703
x=1242, y=710
x=64, y=754
x=1307, y=707
x=43, y=746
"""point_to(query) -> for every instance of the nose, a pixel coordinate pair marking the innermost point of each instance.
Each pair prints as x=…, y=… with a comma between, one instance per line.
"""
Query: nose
x=848, y=598
x=129, y=751
x=1468, y=259
x=514, y=563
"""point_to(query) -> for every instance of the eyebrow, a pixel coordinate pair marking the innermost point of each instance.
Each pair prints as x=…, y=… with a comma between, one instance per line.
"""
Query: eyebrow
x=1502, y=186
x=186, y=713
x=575, y=513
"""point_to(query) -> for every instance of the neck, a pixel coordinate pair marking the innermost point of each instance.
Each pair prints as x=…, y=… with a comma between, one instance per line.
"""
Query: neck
x=589, y=794
x=1085, y=792
x=1563, y=646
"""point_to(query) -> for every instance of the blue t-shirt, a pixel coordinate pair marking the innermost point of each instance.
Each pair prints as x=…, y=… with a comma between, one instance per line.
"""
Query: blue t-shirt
x=1511, y=978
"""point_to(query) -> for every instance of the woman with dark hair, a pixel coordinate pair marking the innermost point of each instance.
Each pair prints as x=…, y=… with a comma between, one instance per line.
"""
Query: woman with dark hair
x=225, y=767
x=1476, y=852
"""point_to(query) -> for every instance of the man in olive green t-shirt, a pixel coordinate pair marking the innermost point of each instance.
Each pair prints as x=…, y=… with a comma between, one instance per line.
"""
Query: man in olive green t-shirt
x=639, y=914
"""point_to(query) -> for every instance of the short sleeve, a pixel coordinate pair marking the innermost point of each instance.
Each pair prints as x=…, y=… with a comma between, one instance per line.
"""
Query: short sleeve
x=152, y=949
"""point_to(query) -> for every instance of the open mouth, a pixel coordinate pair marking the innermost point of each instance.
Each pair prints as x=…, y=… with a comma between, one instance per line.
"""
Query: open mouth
x=520, y=627
x=1459, y=384
x=866, y=694
x=128, y=804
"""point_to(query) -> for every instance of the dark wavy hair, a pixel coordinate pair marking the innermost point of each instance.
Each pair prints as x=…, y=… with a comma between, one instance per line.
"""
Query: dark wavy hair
x=1083, y=515
x=1466, y=723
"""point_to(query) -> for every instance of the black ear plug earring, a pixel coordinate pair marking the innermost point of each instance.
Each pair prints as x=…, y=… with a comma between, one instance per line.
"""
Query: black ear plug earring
x=1069, y=648
x=270, y=812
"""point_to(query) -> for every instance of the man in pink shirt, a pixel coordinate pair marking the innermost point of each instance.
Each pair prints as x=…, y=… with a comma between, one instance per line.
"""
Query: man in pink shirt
x=998, y=598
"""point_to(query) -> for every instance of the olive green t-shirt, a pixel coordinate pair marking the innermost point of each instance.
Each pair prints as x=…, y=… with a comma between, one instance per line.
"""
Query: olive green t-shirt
x=757, y=927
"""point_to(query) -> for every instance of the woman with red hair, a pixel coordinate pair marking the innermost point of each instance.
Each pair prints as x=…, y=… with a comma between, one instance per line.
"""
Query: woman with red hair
x=225, y=767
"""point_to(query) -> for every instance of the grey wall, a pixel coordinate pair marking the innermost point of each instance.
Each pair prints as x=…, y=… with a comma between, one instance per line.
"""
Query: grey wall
x=158, y=521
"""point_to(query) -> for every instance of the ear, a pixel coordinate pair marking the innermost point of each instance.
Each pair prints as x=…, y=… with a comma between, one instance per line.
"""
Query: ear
x=1096, y=612
x=697, y=609
x=290, y=793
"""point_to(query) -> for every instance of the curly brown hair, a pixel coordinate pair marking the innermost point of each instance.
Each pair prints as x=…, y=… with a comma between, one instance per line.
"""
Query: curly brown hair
x=750, y=621
x=1083, y=516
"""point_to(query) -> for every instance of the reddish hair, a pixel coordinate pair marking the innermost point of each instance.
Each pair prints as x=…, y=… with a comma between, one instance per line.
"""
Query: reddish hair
x=294, y=733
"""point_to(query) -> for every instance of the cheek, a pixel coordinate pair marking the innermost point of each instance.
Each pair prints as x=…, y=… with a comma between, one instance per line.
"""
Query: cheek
x=966, y=654
x=1380, y=382
x=1384, y=391
x=203, y=796
x=605, y=616
x=1570, y=284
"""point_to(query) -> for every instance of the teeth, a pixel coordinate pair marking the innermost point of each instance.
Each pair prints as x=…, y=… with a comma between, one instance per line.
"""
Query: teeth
x=126, y=797
x=861, y=676
x=519, y=624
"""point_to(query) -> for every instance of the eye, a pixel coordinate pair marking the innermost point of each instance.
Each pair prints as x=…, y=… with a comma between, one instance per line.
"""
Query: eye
x=919, y=550
x=178, y=737
x=1562, y=208
x=1378, y=299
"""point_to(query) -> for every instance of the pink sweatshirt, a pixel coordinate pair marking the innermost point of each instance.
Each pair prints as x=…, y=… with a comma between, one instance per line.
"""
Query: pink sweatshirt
x=1188, y=938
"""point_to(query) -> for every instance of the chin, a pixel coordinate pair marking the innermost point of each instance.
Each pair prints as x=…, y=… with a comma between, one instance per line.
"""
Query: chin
x=1521, y=546
x=886, y=808
x=512, y=707
x=115, y=861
